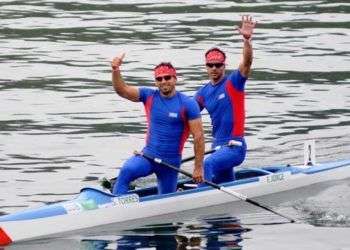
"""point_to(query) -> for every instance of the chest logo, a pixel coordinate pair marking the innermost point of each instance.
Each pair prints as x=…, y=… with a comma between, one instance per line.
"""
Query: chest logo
x=221, y=96
x=172, y=115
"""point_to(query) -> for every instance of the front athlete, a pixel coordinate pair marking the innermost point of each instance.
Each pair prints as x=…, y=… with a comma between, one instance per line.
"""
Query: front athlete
x=171, y=116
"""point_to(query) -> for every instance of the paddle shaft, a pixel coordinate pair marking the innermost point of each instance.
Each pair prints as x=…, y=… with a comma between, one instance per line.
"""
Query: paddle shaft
x=107, y=183
x=221, y=188
x=190, y=158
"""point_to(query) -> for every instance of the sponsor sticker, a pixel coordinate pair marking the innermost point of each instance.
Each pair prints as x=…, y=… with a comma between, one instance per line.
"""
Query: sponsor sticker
x=80, y=206
x=89, y=204
x=84, y=205
x=73, y=208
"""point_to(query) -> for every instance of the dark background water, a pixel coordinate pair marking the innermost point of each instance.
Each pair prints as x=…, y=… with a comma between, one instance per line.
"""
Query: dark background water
x=62, y=127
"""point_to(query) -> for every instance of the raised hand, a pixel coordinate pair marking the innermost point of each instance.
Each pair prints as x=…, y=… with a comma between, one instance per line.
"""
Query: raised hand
x=117, y=61
x=247, y=27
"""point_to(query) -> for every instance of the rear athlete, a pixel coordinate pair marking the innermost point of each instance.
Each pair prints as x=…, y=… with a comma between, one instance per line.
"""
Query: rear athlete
x=223, y=97
x=171, y=116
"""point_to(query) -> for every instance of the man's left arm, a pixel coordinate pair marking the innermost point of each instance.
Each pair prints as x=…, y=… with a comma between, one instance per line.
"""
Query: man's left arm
x=196, y=129
x=246, y=30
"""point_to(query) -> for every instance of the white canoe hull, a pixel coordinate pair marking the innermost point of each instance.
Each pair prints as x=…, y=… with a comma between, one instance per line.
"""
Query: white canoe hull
x=114, y=213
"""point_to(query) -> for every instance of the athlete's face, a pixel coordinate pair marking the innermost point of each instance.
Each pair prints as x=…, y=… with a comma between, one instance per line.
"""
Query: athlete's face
x=166, y=84
x=215, y=70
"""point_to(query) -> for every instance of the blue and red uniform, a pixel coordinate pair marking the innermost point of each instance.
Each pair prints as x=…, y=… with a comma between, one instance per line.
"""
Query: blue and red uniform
x=224, y=102
x=167, y=131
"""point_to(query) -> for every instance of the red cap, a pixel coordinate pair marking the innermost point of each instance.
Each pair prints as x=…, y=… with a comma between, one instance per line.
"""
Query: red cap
x=164, y=71
x=215, y=56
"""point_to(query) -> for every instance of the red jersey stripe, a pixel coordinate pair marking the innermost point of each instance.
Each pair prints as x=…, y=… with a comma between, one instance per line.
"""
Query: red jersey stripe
x=148, y=108
x=185, y=132
x=238, y=109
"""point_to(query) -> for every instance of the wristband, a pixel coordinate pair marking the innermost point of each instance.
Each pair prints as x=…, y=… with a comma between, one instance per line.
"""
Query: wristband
x=115, y=68
x=247, y=38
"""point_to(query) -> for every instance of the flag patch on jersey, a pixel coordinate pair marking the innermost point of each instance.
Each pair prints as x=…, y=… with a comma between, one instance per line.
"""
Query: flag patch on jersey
x=173, y=115
x=221, y=96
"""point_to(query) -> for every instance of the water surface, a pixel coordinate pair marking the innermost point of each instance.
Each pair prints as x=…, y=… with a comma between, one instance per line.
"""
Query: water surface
x=62, y=127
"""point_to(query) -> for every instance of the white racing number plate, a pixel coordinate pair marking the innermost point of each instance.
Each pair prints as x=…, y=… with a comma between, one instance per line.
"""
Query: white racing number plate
x=126, y=199
x=275, y=177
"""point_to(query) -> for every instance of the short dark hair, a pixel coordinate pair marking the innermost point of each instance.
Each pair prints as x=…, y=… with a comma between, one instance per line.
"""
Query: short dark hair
x=215, y=49
x=166, y=64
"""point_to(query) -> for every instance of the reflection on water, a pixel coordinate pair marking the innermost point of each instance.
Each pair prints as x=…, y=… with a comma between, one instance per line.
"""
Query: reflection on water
x=207, y=233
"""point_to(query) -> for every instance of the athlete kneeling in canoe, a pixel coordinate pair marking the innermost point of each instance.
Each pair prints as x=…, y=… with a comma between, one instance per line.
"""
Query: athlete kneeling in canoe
x=171, y=116
x=223, y=97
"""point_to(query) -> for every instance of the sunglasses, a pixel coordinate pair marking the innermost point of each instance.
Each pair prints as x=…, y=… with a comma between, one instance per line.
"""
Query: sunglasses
x=217, y=65
x=160, y=78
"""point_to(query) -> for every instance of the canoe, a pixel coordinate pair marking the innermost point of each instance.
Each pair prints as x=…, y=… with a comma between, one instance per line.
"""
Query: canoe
x=94, y=207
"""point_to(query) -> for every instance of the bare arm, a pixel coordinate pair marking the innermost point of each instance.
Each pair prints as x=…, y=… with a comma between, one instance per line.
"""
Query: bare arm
x=129, y=92
x=247, y=58
x=196, y=130
x=246, y=31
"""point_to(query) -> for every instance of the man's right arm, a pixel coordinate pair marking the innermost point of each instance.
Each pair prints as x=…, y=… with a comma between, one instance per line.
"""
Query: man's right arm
x=196, y=130
x=121, y=88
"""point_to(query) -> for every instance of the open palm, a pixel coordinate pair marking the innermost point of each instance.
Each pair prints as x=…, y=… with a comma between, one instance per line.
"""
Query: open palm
x=247, y=27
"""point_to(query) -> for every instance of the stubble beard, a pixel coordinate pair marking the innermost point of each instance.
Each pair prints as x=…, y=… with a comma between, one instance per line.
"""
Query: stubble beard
x=167, y=92
x=215, y=78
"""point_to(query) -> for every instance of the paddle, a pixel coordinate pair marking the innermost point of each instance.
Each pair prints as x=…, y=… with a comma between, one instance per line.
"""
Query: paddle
x=221, y=188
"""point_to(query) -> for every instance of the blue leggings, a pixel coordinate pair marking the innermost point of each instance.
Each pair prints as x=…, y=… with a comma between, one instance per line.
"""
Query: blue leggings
x=218, y=167
x=138, y=166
